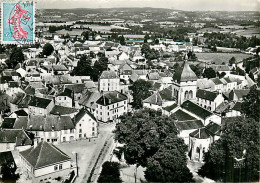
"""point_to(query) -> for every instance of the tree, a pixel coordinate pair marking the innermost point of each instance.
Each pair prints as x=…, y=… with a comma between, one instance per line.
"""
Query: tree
x=83, y=67
x=209, y=73
x=99, y=66
x=232, y=61
x=221, y=75
x=140, y=89
x=122, y=40
x=239, y=140
x=8, y=170
x=197, y=69
x=251, y=104
x=169, y=163
x=110, y=173
x=142, y=132
x=16, y=57
x=47, y=49
x=85, y=35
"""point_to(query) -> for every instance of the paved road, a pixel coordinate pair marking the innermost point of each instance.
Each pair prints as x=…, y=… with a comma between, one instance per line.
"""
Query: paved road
x=88, y=151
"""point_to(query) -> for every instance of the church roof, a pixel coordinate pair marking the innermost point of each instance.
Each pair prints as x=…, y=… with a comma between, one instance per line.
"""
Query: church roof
x=184, y=74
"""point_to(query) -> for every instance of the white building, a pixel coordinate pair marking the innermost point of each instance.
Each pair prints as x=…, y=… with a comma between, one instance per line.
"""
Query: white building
x=209, y=100
x=110, y=106
x=109, y=81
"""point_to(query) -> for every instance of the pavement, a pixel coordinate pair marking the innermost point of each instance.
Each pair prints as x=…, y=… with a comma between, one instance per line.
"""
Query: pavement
x=88, y=151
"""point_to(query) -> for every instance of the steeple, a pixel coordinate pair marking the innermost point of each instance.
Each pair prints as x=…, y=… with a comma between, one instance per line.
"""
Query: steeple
x=184, y=74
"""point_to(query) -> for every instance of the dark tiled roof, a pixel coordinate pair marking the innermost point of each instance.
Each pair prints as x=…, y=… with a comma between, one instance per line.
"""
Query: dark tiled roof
x=8, y=123
x=111, y=97
x=21, y=113
x=60, y=110
x=158, y=97
x=196, y=109
x=170, y=108
x=180, y=115
x=202, y=133
x=17, y=136
x=213, y=128
x=39, y=102
x=44, y=154
x=81, y=114
x=217, y=81
x=77, y=88
x=189, y=125
x=237, y=106
x=49, y=123
x=208, y=95
x=67, y=92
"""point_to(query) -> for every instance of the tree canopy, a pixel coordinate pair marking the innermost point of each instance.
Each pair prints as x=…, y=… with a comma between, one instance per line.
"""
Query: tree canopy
x=251, y=104
x=83, y=67
x=47, y=49
x=110, y=173
x=168, y=164
x=209, y=73
x=239, y=140
x=140, y=89
x=232, y=61
x=16, y=57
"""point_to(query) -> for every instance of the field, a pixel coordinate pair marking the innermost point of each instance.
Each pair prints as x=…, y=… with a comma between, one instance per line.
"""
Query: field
x=101, y=28
x=219, y=58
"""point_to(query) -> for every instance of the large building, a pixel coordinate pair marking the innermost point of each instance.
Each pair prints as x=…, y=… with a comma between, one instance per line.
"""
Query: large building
x=109, y=81
x=184, y=84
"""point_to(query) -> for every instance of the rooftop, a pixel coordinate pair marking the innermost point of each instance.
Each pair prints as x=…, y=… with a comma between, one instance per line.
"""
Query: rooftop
x=207, y=95
x=184, y=74
x=37, y=156
x=111, y=98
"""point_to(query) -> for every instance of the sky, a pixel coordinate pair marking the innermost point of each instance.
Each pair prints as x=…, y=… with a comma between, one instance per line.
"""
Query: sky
x=188, y=5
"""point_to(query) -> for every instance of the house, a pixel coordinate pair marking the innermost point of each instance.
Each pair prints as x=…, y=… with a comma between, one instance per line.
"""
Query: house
x=11, y=139
x=184, y=84
x=85, y=124
x=109, y=81
x=161, y=99
x=138, y=74
x=110, y=106
x=217, y=85
x=201, y=139
x=228, y=84
x=198, y=112
x=234, y=110
x=89, y=99
x=65, y=98
x=45, y=162
x=221, y=68
x=209, y=100
x=237, y=95
x=40, y=106
x=20, y=101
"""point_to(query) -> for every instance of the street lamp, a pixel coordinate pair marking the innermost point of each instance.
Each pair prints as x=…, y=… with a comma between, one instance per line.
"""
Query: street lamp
x=76, y=154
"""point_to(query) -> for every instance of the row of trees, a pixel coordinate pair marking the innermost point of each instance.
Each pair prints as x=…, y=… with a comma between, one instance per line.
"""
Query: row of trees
x=151, y=141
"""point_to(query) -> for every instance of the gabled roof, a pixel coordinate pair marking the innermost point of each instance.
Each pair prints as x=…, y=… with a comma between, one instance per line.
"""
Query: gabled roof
x=39, y=102
x=158, y=97
x=89, y=98
x=81, y=114
x=17, y=136
x=207, y=95
x=60, y=110
x=111, y=98
x=189, y=125
x=184, y=74
x=239, y=93
x=8, y=123
x=49, y=123
x=44, y=154
x=76, y=88
x=216, y=81
x=21, y=113
x=196, y=109
x=180, y=115
x=67, y=92
x=108, y=75
x=170, y=108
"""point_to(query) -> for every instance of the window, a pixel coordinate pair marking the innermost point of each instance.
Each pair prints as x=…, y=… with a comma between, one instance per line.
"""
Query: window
x=55, y=167
x=60, y=166
x=100, y=113
x=100, y=107
x=80, y=130
x=93, y=128
x=64, y=98
x=108, y=113
x=79, y=124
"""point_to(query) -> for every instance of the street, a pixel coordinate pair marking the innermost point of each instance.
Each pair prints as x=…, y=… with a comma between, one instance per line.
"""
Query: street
x=88, y=152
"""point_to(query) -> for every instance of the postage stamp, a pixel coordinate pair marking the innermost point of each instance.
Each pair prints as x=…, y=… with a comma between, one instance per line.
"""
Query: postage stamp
x=17, y=22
